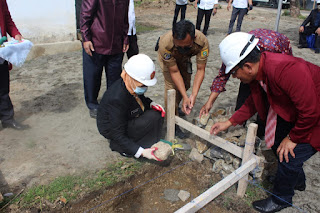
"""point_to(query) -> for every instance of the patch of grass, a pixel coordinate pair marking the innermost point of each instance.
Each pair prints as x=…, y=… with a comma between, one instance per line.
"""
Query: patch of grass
x=253, y=193
x=286, y=13
x=138, y=3
x=70, y=187
x=144, y=28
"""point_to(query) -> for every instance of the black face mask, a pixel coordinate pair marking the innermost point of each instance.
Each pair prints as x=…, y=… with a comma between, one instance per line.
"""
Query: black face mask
x=184, y=50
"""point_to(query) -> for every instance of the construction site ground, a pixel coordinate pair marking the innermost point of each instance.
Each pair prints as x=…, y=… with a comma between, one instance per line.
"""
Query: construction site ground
x=47, y=93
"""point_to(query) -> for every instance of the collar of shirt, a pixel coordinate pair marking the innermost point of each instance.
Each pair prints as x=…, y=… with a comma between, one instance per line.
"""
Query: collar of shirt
x=261, y=76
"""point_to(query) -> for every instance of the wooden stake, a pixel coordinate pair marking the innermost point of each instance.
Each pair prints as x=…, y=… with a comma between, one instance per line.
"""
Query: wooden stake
x=247, y=154
x=215, y=140
x=171, y=102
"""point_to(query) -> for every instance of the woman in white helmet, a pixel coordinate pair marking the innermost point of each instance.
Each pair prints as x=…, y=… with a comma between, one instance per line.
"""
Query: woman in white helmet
x=131, y=121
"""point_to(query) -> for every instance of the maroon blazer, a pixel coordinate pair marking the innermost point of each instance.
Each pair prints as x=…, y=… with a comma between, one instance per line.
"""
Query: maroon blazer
x=293, y=91
x=6, y=23
x=105, y=24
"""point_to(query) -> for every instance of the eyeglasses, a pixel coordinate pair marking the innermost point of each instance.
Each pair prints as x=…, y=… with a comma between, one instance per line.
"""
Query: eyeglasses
x=247, y=45
x=234, y=70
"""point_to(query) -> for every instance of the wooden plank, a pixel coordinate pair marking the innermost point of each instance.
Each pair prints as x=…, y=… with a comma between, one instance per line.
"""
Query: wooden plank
x=247, y=153
x=215, y=140
x=171, y=114
x=218, y=188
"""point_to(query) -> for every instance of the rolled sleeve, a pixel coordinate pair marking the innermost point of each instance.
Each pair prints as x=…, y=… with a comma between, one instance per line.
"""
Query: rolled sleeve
x=219, y=83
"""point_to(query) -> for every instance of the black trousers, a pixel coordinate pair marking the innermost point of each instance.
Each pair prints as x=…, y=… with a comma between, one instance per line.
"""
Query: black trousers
x=144, y=130
x=133, y=46
x=240, y=12
x=183, y=9
x=92, y=72
x=207, y=14
x=6, y=107
x=289, y=174
x=308, y=31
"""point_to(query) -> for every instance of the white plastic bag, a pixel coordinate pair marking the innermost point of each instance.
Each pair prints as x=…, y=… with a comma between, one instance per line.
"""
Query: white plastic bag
x=16, y=52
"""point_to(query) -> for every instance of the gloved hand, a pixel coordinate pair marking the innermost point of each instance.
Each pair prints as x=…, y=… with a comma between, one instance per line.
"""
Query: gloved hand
x=250, y=7
x=149, y=153
x=158, y=107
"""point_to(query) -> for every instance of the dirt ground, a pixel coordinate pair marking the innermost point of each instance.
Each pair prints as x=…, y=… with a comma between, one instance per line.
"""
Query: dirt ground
x=47, y=94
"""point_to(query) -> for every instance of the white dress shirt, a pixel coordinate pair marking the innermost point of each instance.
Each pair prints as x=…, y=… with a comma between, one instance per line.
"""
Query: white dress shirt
x=240, y=3
x=207, y=4
x=181, y=2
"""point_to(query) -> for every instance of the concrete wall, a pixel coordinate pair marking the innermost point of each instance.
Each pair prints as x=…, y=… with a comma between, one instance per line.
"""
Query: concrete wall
x=45, y=21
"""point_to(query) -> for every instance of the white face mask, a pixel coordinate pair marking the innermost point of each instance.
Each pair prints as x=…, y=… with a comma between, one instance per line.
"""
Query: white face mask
x=318, y=6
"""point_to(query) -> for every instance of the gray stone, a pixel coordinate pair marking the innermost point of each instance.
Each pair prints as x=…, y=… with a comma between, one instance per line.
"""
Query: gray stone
x=184, y=195
x=196, y=156
x=186, y=146
x=171, y=195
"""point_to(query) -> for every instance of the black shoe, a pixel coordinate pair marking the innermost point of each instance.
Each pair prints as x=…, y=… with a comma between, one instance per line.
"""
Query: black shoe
x=268, y=205
x=180, y=134
x=317, y=50
x=93, y=113
x=14, y=125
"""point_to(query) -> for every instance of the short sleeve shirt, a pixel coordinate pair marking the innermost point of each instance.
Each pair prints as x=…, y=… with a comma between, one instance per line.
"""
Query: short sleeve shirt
x=169, y=56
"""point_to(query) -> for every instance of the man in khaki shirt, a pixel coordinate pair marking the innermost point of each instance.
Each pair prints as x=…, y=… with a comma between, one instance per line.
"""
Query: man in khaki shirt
x=176, y=47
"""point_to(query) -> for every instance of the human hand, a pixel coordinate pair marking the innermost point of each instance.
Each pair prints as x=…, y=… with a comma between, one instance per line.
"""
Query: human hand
x=218, y=127
x=18, y=37
x=186, y=106
x=195, y=5
x=192, y=99
x=301, y=29
x=284, y=148
x=125, y=48
x=149, y=153
x=228, y=7
x=205, y=109
x=88, y=47
x=318, y=31
x=250, y=7
x=214, y=11
x=158, y=107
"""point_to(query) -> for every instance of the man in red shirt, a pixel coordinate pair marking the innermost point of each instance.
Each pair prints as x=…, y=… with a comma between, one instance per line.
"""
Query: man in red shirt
x=6, y=107
x=292, y=86
x=104, y=27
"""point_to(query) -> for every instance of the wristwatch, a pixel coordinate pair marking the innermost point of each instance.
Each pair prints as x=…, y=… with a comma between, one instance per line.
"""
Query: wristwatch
x=289, y=137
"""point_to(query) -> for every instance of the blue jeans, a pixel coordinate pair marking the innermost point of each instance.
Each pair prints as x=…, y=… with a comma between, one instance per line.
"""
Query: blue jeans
x=92, y=72
x=289, y=174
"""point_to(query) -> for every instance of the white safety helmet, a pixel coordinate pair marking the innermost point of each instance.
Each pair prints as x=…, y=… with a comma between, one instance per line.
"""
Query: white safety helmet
x=141, y=68
x=235, y=47
x=318, y=1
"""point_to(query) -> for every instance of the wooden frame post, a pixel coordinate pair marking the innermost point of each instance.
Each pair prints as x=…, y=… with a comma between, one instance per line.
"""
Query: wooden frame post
x=247, y=154
x=171, y=112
